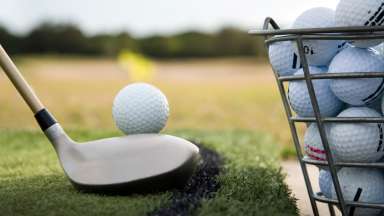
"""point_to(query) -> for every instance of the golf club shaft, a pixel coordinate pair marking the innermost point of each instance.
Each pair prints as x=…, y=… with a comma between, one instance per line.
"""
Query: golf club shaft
x=19, y=82
x=43, y=117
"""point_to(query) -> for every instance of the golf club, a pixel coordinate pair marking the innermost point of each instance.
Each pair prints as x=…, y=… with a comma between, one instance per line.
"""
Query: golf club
x=135, y=163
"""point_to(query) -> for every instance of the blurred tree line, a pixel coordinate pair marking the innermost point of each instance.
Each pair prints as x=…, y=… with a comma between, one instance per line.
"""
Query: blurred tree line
x=69, y=39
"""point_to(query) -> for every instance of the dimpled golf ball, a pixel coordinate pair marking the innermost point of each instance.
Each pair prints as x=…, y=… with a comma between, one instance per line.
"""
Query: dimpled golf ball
x=325, y=183
x=357, y=142
x=300, y=101
x=360, y=13
x=140, y=108
x=361, y=185
x=318, y=52
x=357, y=92
x=313, y=146
x=283, y=58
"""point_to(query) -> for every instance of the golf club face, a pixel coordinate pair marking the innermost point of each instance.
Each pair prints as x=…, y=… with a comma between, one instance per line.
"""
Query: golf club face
x=136, y=163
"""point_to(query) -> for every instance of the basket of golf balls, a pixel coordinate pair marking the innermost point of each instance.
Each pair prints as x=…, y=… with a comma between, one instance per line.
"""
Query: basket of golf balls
x=329, y=67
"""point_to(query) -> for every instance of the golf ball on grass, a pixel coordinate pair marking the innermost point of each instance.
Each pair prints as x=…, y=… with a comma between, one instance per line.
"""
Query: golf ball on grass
x=140, y=108
x=283, y=58
x=318, y=52
x=362, y=91
x=361, y=185
x=356, y=142
x=360, y=13
x=300, y=101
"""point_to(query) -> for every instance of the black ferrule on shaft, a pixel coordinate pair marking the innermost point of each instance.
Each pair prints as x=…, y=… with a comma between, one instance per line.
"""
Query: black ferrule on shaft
x=45, y=119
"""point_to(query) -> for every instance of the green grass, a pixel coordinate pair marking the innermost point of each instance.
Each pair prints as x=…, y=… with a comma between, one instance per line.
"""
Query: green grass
x=32, y=182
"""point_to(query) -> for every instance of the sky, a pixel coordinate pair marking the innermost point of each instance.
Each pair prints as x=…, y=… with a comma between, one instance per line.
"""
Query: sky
x=146, y=17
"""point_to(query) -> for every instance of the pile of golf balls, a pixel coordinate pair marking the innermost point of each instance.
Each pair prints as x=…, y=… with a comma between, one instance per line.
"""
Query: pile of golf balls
x=341, y=97
x=140, y=108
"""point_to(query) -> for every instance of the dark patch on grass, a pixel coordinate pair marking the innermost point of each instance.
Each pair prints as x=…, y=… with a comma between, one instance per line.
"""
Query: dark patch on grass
x=201, y=186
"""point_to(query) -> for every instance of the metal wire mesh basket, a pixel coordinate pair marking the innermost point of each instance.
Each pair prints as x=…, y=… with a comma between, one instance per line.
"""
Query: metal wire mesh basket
x=297, y=36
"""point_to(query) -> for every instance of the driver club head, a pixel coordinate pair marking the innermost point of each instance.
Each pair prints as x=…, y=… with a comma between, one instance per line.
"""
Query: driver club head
x=121, y=165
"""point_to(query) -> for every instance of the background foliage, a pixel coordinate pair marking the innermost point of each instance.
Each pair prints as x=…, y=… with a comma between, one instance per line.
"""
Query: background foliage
x=69, y=39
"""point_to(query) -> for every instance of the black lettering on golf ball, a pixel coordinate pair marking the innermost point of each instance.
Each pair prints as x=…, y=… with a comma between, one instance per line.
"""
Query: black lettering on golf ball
x=355, y=199
x=308, y=50
x=341, y=45
x=377, y=17
x=379, y=147
x=295, y=62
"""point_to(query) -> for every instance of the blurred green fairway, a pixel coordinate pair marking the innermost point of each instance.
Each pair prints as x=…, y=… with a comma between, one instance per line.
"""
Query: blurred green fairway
x=229, y=105
x=203, y=94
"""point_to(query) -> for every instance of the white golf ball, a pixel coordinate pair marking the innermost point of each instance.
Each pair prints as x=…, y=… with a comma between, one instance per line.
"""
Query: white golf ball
x=283, y=58
x=357, y=142
x=360, y=13
x=361, y=185
x=300, y=101
x=318, y=52
x=140, y=108
x=325, y=183
x=313, y=146
x=357, y=91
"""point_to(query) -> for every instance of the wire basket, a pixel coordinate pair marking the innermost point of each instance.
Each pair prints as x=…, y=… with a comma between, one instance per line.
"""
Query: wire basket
x=335, y=33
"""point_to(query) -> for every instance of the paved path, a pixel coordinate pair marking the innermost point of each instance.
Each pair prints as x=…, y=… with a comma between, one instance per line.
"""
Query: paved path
x=295, y=181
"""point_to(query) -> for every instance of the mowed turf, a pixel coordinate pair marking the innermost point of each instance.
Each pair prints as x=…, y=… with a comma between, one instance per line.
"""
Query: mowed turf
x=32, y=182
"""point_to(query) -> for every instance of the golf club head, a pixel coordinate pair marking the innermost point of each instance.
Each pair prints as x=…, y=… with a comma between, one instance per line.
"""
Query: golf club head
x=130, y=164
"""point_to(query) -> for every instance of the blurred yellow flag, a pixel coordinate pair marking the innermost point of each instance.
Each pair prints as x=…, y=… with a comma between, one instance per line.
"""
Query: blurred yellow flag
x=138, y=66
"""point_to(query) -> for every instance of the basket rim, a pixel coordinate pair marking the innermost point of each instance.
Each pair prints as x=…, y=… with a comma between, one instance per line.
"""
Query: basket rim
x=265, y=31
